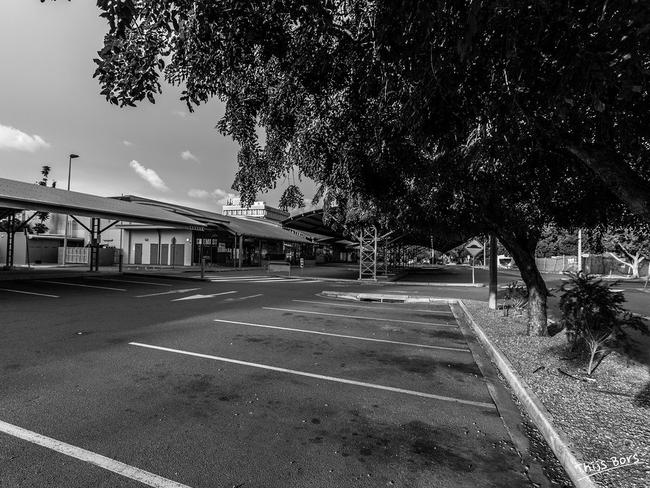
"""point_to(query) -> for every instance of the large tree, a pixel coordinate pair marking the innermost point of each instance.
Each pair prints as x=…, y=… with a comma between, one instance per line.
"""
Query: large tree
x=481, y=114
x=632, y=243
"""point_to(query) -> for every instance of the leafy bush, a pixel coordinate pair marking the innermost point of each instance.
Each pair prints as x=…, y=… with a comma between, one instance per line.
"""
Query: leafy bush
x=594, y=318
x=515, y=298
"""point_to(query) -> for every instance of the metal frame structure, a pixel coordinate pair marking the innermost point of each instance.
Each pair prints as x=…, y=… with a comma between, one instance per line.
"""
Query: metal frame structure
x=368, y=253
x=16, y=196
x=11, y=228
x=95, y=230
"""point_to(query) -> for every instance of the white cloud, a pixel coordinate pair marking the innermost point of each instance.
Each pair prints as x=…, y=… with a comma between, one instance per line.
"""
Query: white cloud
x=196, y=193
x=11, y=138
x=188, y=156
x=220, y=196
x=180, y=113
x=127, y=143
x=149, y=175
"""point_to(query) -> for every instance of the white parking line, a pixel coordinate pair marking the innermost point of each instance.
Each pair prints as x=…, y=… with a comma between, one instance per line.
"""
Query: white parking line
x=427, y=346
x=403, y=309
x=109, y=464
x=237, y=278
x=201, y=297
x=170, y=292
x=277, y=280
x=318, y=376
x=238, y=299
x=30, y=293
x=133, y=281
x=360, y=317
x=82, y=286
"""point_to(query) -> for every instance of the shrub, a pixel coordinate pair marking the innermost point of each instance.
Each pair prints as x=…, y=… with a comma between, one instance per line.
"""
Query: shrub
x=515, y=298
x=594, y=318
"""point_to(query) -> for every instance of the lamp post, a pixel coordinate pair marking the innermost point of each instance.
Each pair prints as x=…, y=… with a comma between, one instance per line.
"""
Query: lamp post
x=65, y=237
x=579, y=267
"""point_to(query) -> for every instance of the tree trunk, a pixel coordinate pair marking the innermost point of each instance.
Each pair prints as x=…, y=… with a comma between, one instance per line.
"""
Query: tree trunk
x=537, y=291
x=635, y=267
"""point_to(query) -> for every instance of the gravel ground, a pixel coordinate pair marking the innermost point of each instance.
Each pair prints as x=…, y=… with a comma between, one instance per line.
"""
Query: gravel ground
x=606, y=420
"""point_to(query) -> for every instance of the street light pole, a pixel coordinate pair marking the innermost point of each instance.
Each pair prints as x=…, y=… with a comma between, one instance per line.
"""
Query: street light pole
x=579, y=250
x=65, y=236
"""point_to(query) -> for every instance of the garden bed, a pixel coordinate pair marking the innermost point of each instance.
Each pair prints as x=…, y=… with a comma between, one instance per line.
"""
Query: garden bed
x=606, y=420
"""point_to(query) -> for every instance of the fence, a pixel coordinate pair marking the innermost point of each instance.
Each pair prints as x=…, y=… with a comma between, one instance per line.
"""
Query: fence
x=81, y=255
x=557, y=264
x=593, y=264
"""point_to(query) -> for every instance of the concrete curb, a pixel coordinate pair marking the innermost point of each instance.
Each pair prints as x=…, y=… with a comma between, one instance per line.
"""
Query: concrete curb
x=556, y=438
x=49, y=275
x=320, y=278
x=165, y=276
x=381, y=297
x=435, y=283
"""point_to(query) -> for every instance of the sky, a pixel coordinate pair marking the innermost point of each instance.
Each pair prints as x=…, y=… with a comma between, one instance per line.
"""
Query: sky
x=50, y=107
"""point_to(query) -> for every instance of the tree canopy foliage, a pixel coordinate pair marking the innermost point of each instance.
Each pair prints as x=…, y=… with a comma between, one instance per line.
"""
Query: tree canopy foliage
x=485, y=116
x=344, y=87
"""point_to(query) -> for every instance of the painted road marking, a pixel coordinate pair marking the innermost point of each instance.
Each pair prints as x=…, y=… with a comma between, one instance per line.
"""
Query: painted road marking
x=82, y=286
x=133, y=281
x=199, y=297
x=319, y=376
x=360, y=317
x=278, y=280
x=170, y=292
x=458, y=349
x=237, y=278
x=242, y=298
x=261, y=279
x=30, y=293
x=402, y=309
x=109, y=464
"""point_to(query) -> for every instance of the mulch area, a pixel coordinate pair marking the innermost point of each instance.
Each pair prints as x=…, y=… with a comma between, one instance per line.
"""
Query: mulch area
x=606, y=420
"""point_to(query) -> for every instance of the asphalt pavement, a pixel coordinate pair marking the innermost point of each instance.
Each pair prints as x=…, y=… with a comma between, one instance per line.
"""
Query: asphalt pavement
x=245, y=380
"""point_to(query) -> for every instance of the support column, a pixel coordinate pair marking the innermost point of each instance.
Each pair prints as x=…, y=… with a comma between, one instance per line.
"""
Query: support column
x=492, y=301
x=95, y=233
x=11, y=232
x=240, y=261
x=368, y=254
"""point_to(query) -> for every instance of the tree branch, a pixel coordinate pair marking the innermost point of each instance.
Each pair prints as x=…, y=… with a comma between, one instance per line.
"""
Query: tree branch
x=629, y=254
x=620, y=260
x=626, y=184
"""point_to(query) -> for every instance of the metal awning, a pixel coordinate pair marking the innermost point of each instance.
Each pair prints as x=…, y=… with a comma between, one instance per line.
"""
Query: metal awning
x=262, y=230
x=248, y=227
x=18, y=195
x=312, y=222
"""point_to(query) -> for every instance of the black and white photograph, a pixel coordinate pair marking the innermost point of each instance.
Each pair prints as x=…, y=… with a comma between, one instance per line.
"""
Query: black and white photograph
x=324, y=244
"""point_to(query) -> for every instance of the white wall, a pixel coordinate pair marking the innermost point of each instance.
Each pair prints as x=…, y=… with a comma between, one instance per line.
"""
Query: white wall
x=146, y=237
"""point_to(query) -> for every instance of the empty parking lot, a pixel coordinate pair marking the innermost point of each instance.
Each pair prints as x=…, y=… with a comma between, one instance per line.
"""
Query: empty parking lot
x=239, y=383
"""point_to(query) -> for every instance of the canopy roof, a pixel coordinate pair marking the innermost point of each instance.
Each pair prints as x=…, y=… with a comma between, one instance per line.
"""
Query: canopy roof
x=442, y=237
x=18, y=195
x=249, y=227
x=312, y=222
x=262, y=230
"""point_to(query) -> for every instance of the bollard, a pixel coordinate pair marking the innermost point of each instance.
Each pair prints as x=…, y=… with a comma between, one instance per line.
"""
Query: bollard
x=119, y=261
x=202, y=267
